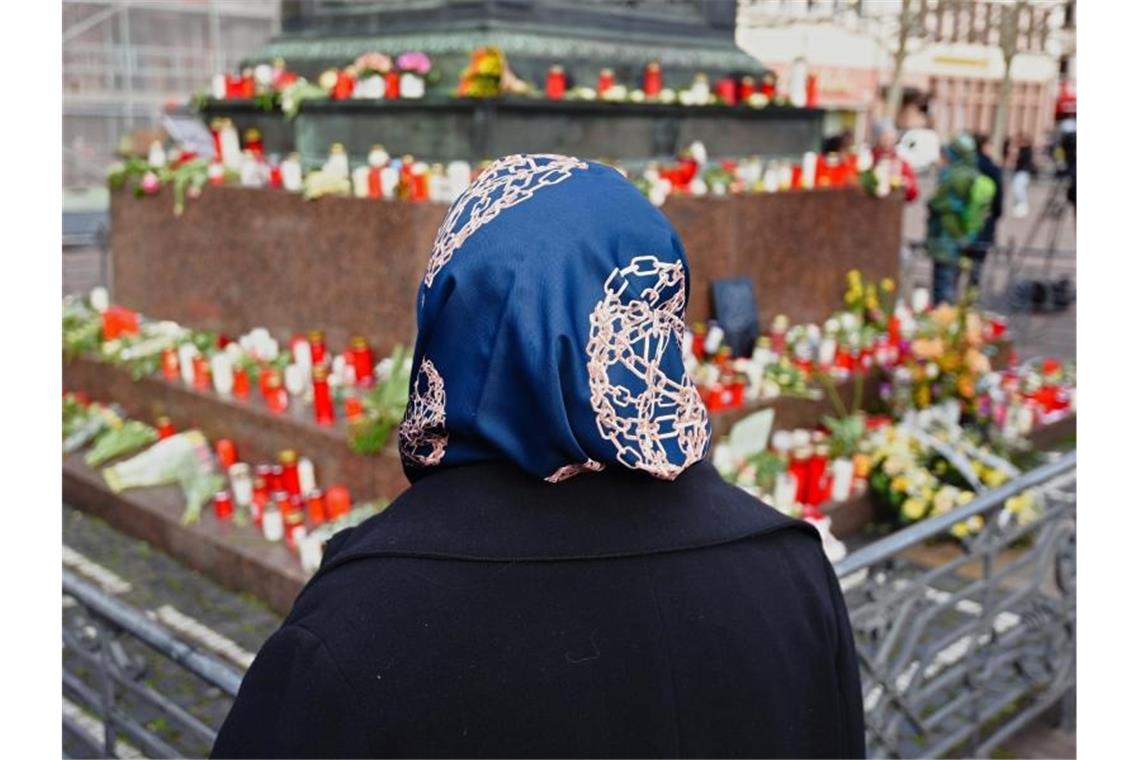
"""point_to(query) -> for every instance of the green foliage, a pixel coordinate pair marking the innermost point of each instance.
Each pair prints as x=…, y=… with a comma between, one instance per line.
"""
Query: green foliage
x=767, y=465
x=126, y=439
x=82, y=328
x=383, y=407
x=846, y=433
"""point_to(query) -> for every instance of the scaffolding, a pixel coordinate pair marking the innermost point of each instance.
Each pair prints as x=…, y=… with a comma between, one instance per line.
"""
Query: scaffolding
x=124, y=61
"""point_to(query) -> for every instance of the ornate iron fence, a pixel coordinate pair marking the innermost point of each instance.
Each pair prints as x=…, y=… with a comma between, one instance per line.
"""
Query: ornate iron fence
x=962, y=642
x=110, y=648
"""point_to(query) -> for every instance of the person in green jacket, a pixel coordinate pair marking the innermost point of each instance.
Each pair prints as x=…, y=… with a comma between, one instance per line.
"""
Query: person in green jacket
x=956, y=214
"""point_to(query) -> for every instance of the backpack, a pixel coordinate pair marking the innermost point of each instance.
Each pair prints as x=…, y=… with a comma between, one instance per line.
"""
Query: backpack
x=977, y=208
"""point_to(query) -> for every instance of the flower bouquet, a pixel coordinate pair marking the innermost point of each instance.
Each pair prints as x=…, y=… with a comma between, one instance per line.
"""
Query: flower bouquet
x=184, y=459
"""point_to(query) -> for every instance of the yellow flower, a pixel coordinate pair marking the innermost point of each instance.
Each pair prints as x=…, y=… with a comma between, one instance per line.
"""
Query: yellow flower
x=975, y=524
x=994, y=478
x=959, y=530
x=888, y=285
x=899, y=483
x=914, y=509
x=927, y=494
x=965, y=497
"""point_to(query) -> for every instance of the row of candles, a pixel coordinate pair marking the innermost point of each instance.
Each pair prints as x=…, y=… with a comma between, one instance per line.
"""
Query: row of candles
x=282, y=499
x=309, y=377
x=355, y=82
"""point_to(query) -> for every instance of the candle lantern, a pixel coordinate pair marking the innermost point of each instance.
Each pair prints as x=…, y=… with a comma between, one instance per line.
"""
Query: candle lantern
x=785, y=495
x=241, y=382
x=747, y=88
x=306, y=475
x=253, y=142
x=290, y=482
x=392, y=84
x=322, y=397
x=315, y=507
x=345, y=83
x=555, y=83
x=223, y=505
x=294, y=527
x=276, y=398
x=651, y=80
x=817, y=465
x=842, y=472
x=800, y=468
x=338, y=502
x=778, y=334
x=419, y=181
x=226, y=451
x=200, y=372
x=170, y=368
x=353, y=408
x=362, y=360
x=272, y=522
x=726, y=90
x=605, y=80
x=317, y=351
x=165, y=427
x=241, y=483
x=222, y=372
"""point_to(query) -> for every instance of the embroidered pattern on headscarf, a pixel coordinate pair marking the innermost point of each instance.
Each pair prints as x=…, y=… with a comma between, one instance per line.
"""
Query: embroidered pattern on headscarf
x=423, y=438
x=629, y=336
x=505, y=183
x=567, y=471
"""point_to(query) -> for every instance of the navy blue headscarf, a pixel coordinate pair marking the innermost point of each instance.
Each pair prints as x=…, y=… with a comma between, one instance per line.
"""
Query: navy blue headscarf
x=550, y=324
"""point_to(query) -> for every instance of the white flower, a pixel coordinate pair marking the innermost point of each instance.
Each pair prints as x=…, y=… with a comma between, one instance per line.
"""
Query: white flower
x=667, y=95
x=637, y=96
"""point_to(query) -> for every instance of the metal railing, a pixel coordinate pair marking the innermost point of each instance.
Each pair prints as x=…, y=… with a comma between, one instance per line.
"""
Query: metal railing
x=101, y=639
x=962, y=643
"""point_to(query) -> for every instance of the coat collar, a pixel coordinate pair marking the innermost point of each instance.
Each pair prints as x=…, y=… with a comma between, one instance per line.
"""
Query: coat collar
x=496, y=512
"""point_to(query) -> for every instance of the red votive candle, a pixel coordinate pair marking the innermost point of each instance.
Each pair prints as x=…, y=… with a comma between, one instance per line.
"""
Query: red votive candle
x=322, y=397
x=747, y=88
x=651, y=81
x=276, y=397
x=605, y=80
x=362, y=360
x=315, y=507
x=726, y=90
x=392, y=85
x=799, y=466
x=223, y=505
x=165, y=427
x=241, y=382
x=290, y=482
x=817, y=463
x=338, y=502
x=353, y=408
x=317, y=347
x=226, y=451
x=170, y=369
x=555, y=83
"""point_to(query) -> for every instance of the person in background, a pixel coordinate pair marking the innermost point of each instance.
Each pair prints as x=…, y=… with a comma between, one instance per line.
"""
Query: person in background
x=987, y=238
x=956, y=214
x=884, y=139
x=1024, y=169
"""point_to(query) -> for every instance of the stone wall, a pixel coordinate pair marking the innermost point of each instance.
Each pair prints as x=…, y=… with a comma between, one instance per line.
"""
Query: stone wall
x=240, y=258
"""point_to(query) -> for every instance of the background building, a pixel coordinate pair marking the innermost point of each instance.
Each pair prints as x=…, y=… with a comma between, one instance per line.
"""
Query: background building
x=123, y=60
x=952, y=70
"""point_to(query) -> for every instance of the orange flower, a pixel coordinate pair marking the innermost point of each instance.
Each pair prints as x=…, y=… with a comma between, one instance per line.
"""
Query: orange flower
x=927, y=348
x=966, y=386
x=945, y=315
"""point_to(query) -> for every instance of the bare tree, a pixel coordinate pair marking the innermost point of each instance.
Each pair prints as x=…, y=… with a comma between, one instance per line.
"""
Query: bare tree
x=900, y=44
x=1009, y=28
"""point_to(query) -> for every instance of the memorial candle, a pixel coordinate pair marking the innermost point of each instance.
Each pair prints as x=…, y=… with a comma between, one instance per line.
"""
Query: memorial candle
x=241, y=483
x=843, y=472
x=817, y=464
x=605, y=80
x=226, y=452
x=290, y=482
x=555, y=83
x=241, y=382
x=276, y=397
x=345, y=82
x=747, y=88
x=392, y=84
x=222, y=371
x=291, y=178
x=799, y=467
x=362, y=361
x=170, y=369
x=200, y=370
x=338, y=502
x=223, y=505
x=353, y=408
x=651, y=81
x=317, y=350
x=306, y=475
x=322, y=397
x=165, y=427
x=272, y=522
x=315, y=507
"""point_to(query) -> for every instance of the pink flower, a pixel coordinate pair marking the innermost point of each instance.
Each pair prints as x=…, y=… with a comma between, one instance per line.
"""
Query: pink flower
x=150, y=183
x=414, y=61
x=373, y=62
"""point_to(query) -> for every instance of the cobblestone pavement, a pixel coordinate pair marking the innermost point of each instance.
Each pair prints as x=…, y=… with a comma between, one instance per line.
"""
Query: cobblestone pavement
x=229, y=626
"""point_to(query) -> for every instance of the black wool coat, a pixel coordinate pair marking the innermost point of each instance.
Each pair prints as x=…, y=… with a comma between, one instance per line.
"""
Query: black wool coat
x=488, y=613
